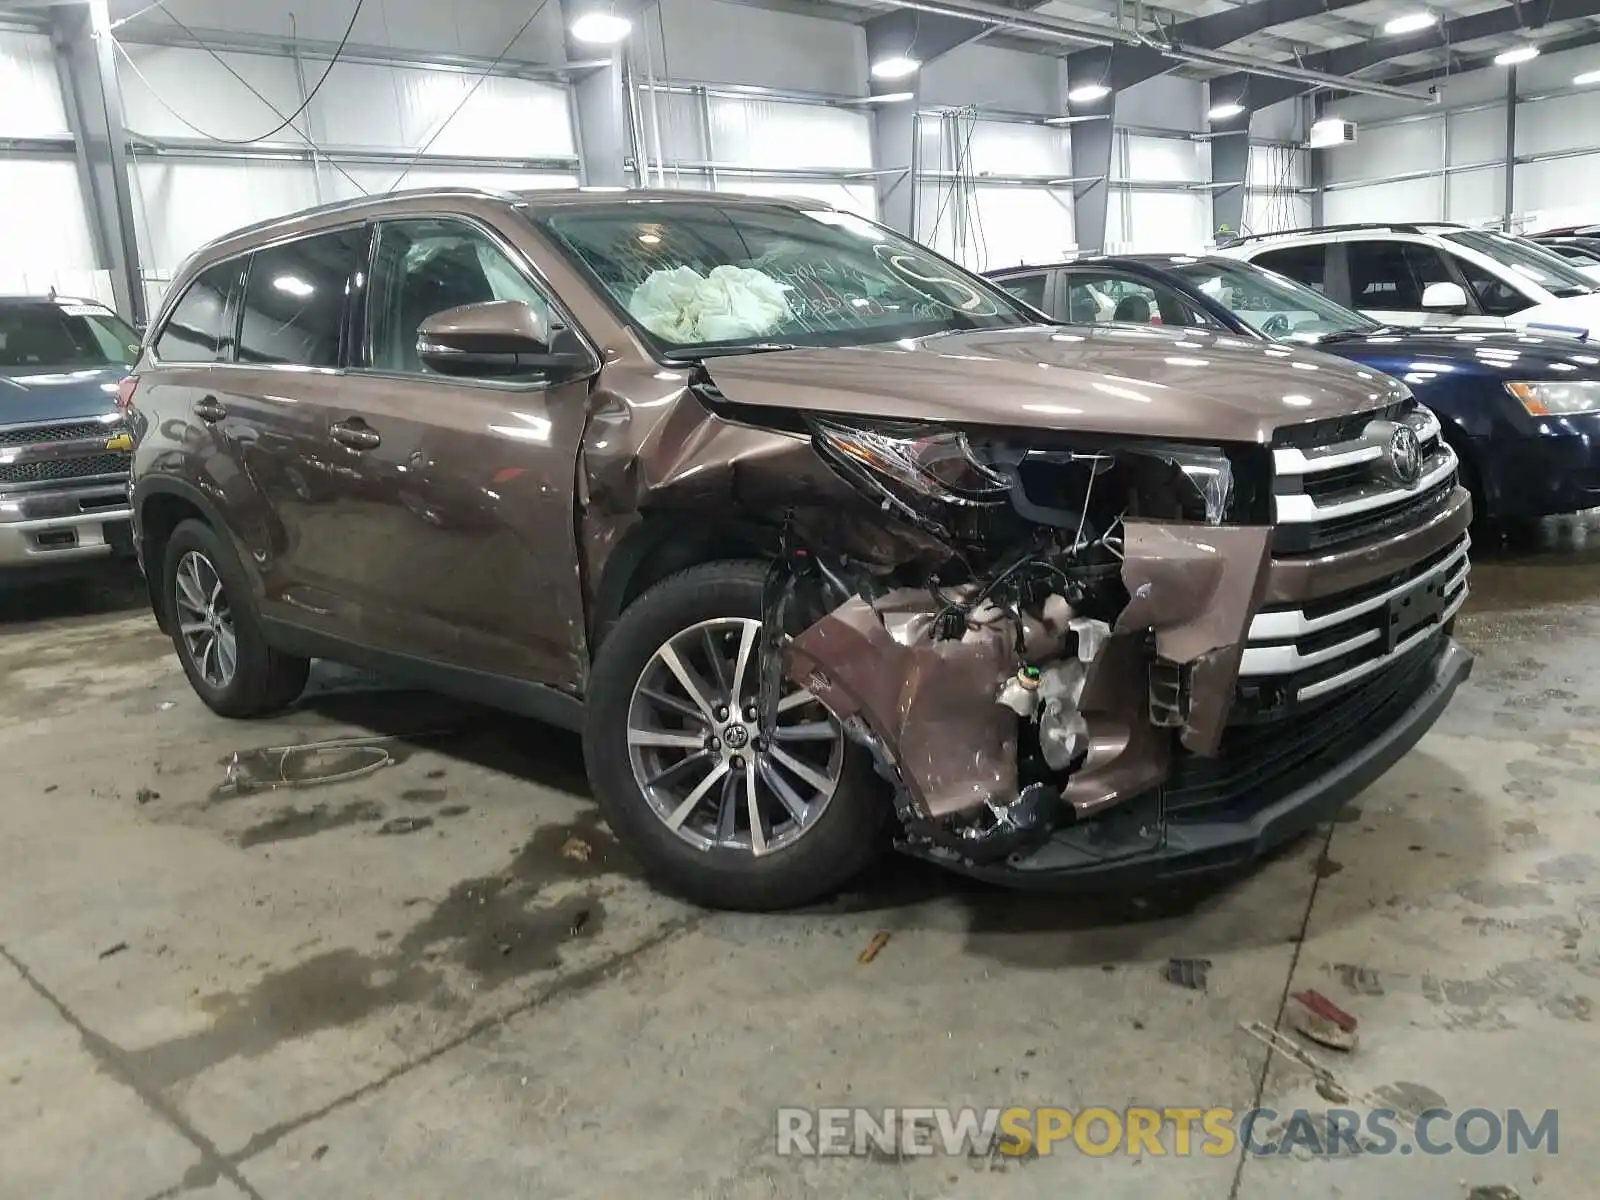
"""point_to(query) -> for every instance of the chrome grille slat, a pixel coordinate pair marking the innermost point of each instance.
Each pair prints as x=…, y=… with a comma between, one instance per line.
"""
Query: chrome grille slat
x=1275, y=643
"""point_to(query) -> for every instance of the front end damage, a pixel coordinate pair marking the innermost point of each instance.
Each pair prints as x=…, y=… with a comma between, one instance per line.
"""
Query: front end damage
x=1029, y=646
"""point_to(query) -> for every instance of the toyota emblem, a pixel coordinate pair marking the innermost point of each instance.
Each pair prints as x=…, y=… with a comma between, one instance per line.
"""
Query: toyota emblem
x=1405, y=455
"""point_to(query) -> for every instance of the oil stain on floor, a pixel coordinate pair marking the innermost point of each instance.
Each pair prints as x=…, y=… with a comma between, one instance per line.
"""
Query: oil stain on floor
x=494, y=929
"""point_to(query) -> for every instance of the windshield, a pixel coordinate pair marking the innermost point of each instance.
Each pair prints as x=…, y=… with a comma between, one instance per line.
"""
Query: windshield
x=700, y=278
x=1528, y=259
x=1272, y=305
x=47, y=334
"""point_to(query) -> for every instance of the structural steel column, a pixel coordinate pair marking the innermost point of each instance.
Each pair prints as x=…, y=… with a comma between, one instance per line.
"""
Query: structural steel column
x=85, y=61
x=1511, y=147
x=602, y=120
x=1230, y=166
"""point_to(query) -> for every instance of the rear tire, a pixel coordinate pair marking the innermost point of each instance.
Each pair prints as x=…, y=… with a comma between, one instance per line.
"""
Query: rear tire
x=215, y=630
x=634, y=728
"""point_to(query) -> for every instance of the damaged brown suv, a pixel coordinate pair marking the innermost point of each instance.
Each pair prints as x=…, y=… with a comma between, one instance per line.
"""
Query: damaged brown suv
x=820, y=540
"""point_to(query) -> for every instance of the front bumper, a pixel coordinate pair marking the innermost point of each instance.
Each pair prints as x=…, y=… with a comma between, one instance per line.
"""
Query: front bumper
x=1271, y=785
x=64, y=528
x=1541, y=474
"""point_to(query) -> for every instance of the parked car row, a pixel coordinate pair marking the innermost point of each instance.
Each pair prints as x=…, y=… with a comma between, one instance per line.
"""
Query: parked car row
x=1521, y=410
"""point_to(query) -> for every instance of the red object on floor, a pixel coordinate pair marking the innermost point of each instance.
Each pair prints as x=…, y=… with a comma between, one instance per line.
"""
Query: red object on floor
x=1327, y=1009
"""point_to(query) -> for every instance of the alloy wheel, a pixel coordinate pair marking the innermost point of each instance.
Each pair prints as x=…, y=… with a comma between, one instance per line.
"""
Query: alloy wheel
x=698, y=754
x=205, y=620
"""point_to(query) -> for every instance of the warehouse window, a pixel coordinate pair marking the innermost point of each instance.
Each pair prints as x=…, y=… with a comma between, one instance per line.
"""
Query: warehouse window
x=424, y=267
x=193, y=333
x=294, y=299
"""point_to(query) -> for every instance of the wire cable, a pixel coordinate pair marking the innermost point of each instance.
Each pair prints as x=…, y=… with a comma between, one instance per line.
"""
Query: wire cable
x=188, y=124
x=310, y=95
x=472, y=91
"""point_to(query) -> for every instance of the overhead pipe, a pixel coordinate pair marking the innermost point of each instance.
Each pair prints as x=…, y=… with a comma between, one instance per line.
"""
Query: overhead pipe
x=1083, y=33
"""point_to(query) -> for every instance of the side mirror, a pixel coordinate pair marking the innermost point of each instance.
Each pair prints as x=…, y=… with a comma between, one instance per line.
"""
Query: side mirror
x=496, y=339
x=1444, y=297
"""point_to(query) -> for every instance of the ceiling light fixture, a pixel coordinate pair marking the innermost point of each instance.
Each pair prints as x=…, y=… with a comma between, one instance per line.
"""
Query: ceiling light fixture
x=1223, y=112
x=1411, y=23
x=1586, y=78
x=888, y=98
x=1088, y=93
x=897, y=67
x=601, y=28
x=1517, y=54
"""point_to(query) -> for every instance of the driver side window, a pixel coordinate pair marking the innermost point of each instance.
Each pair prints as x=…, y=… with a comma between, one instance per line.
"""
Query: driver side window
x=425, y=266
x=1495, y=296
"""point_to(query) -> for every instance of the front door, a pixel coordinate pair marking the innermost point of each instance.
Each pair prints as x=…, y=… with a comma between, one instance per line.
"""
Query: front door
x=461, y=536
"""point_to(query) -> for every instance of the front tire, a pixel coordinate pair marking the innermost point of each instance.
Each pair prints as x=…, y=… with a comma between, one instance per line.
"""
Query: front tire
x=680, y=772
x=215, y=631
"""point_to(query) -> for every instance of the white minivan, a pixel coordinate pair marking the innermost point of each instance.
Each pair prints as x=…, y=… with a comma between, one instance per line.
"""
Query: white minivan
x=1433, y=274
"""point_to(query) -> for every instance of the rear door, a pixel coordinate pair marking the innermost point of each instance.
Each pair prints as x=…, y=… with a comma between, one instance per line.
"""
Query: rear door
x=459, y=523
x=265, y=411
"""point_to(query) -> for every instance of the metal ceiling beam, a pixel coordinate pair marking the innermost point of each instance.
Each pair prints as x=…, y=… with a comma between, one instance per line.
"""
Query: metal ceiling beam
x=1462, y=63
x=1347, y=60
x=1083, y=33
x=1130, y=65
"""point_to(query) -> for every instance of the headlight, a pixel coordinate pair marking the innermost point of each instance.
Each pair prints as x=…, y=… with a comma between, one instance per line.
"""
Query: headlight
x=1553, y=398
x=929, y=461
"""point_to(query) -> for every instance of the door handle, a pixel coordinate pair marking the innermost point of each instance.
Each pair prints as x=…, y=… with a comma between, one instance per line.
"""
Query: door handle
x=209, y=409
x=355, y=433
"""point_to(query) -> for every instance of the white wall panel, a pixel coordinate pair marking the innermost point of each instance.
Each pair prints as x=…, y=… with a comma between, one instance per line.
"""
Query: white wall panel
x=45, y=225
x=199, y=89
x=474, y=27
x=1018, y=225
x=1159, y=221
x=499, y=118
x=1561, y=184
x=1007, y=148
x=852, y=197
x=1476, y=137
x=1163, y=160
x=179, y=206
x=1390, y=150
x=1267, y=214
x=1557, y=124
x=769, y=134
x=994, y=78
x=376, y=180
x=1165, y=102
x=1412, y=200
x=681, y=125
x=709, y=41
x=30, y=91
x=1476, y=196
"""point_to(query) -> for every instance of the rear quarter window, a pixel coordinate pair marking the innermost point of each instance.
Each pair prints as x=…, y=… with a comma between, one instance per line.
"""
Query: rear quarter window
x=194, y=332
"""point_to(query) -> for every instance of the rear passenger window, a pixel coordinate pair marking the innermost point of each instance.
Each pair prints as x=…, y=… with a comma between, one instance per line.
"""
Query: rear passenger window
x=194, y=333
x=1027, y=288
x=1303, y=264
x=294, y=299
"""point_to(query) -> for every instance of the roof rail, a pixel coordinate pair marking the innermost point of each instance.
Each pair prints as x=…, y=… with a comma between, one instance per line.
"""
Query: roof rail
x=1352, y=227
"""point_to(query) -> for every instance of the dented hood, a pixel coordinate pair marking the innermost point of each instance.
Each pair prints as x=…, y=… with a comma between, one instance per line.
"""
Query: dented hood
x=1130, y=380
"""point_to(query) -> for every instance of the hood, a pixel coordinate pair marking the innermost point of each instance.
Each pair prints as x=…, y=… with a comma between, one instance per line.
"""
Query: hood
x=1126, y=380
x=1426, y=355
x=1581, y=313
x=35, y=394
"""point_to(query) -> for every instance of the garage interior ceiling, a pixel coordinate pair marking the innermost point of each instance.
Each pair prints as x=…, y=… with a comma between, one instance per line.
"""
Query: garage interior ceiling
x=220, y=117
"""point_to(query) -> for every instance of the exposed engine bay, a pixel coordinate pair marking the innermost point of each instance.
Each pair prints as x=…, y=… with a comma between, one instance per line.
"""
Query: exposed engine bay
x=1017, y=636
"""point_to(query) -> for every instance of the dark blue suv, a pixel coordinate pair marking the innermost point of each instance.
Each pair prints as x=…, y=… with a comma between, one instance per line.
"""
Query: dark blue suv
x=1521, y=410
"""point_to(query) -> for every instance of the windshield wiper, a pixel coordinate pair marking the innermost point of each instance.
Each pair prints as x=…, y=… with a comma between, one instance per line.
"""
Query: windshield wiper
x=724, y=351
x=1346, y=335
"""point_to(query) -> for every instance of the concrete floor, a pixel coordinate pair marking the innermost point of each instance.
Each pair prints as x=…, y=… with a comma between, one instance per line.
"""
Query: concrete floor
x=441, y=977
